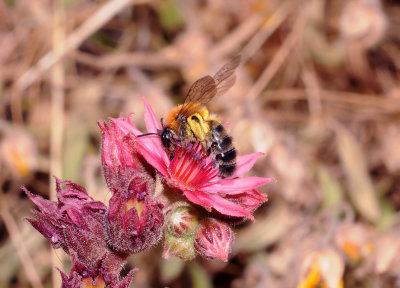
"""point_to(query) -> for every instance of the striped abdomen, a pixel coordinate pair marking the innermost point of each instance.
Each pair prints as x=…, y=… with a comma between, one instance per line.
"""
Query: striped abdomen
x=224, y=153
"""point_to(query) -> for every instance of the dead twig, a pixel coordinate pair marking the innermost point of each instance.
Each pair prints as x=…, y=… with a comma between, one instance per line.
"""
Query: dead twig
x=161, y=59
x=270, y=71
x=231, y=43
x=267, y=29
x=91, y=25
x=370, y=101
x=313, y=89
x=57, y=113
x=19, y=245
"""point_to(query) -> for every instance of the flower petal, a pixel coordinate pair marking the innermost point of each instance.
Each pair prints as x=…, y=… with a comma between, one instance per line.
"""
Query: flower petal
x=246, y=162
x=126, y=125
x=150, y=119
x=218, y=203
x=153, y=142
x=229, y=208
x=150, y=146
x=236, y=185
x=154, y=154
x=249, y=200
x=117, y=149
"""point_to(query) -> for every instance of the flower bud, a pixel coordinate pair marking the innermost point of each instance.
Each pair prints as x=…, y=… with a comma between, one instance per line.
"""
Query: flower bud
x=134, y=218
x=182, y=221
x=213, y=239
x=82, y=276
x=75, y=223
x=181, y=247
x=118, y=156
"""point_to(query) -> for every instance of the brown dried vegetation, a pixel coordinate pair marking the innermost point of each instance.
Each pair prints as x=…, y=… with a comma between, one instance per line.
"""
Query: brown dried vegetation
x=318, y=92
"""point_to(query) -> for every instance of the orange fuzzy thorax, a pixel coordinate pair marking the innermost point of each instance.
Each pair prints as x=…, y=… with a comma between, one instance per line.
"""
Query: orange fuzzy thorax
x=190, y=109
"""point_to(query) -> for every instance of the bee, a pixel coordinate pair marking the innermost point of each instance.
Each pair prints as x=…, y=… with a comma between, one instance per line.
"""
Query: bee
x=191, y=121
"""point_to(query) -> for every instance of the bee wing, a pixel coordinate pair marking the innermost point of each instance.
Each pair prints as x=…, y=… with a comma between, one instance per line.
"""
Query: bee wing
x=206, y=88
x=225, y=78
x=201, y=92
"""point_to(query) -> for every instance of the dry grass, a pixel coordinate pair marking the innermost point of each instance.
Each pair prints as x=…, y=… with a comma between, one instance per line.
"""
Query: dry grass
x=318, y=93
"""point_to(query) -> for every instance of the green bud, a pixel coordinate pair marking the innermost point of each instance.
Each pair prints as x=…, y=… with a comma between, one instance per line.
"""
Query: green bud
x=182, y=221
x=181, y=247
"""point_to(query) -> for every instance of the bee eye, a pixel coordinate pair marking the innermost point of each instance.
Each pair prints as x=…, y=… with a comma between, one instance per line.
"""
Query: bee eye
x=166, y=137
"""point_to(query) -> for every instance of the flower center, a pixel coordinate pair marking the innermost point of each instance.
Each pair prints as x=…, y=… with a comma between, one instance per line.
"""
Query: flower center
x=133, y=202
x=97, y=282
x=191, y=167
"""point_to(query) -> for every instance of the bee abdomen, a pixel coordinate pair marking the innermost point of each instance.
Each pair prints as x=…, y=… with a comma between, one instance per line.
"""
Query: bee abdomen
x=218, y=131
x=226, y=170
x=225, y=144
x=223, y=150
x=228, y=156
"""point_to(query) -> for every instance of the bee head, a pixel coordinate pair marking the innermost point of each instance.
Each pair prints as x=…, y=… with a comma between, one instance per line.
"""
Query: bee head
x=167, y=136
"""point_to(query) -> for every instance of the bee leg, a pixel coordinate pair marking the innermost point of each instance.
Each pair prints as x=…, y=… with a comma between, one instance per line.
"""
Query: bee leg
x=214, y=163
x=205, y=148
x=171, y=152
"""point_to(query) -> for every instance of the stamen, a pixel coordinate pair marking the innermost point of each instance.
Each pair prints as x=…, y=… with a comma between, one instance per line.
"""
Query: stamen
x=192, y=167
x=184, y=162
x=189, y=147
x=141, y=195
x=189, y=172
x=197, y=156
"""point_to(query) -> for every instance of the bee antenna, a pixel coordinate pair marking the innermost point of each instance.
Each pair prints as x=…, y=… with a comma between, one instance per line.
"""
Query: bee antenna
x=162, y=122
x=147, y=134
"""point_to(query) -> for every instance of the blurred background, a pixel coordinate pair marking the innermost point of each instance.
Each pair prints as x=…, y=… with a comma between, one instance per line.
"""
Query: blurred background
x=318, y=92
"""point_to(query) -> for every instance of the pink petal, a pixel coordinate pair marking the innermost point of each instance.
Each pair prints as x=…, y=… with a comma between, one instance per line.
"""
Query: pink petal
x=229, y=208
x=154, y=141
x=154, y=154
x=249, y=200
x=236, y=185
x=150, y=119
x=246, y=162
x=218, y=203
x=151, y=147
x=126, y=125
x=153, y=144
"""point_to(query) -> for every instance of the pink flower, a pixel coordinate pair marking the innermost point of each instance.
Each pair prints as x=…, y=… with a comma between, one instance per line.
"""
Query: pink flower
x=119, y=157
x=82, y=276
x=134, y=218
x=75, y=217
x=195, y=176
x=77, y=224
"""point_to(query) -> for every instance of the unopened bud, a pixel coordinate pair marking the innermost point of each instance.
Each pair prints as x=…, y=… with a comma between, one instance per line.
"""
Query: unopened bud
x=213, y=239
x=97, y=282
x=181, y=247
x=183, y=221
